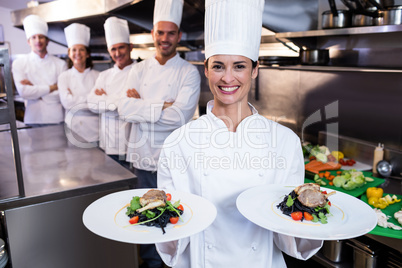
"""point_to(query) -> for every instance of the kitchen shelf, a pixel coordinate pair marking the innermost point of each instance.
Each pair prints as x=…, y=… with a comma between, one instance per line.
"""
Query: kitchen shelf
x=331, y=69
x=382, y=29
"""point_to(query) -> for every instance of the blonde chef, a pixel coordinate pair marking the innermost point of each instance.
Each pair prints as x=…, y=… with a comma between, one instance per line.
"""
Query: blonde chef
x=231, y=149
x=75, y=85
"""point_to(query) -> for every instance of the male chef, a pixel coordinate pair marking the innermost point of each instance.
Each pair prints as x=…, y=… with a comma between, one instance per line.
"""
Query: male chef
x=35, y=77
x=161, y=94
x=103, y=98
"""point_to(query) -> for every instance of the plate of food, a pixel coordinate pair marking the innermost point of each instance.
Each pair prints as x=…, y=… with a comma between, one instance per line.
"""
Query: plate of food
x=320, y=213
x=148, y=216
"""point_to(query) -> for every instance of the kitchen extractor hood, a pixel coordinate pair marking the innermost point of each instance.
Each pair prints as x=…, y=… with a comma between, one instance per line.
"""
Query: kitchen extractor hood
x=139, y=13
x=279, y=16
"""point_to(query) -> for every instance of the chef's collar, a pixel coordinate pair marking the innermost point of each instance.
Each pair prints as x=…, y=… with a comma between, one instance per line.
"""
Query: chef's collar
x=84, y=72
x=128, y=66
x=211, y=103
x=37, y=57
x=169, y=61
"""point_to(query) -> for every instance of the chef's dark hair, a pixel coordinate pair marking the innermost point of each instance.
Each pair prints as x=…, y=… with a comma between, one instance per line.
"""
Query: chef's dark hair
x=88, y=62
x=254, y=63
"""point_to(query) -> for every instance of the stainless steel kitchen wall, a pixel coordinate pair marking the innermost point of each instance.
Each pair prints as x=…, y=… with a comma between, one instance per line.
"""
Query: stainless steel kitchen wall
x=362, y=105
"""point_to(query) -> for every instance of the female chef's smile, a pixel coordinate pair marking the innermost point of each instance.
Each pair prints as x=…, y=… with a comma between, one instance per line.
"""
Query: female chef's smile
x=230, y=78
x=78, y=55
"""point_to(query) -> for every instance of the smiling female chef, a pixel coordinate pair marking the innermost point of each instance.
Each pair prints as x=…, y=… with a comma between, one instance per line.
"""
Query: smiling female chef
x=231, y=149
x=76, y=83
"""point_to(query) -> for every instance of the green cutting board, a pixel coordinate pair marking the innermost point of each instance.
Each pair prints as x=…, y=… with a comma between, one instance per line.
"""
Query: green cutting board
x=355, y=192
x=390, y=210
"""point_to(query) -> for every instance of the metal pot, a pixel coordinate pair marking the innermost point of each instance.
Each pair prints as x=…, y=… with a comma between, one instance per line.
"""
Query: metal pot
x=314, y=56
x=341, y=21
x=362, y=20
x=393, y=15
x=336, y=250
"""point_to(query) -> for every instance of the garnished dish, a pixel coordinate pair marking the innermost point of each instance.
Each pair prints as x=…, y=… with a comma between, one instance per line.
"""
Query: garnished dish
x=154, y=208
x=349, y=216
x=307, y=202
x=109, y=215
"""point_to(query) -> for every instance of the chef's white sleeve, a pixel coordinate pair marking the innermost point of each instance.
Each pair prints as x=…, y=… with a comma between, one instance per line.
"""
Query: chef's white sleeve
x=169, y=251
x=27, y=92
x=298, y=248
x=102, y=103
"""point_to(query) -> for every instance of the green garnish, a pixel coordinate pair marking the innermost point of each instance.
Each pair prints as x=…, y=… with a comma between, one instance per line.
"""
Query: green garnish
x=290, y=200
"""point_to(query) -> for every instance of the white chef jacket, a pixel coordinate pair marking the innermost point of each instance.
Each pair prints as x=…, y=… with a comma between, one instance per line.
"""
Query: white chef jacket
x=41, y=107
x=78, y=117
x=176, y=81
x=206, y=159
x=114, y=132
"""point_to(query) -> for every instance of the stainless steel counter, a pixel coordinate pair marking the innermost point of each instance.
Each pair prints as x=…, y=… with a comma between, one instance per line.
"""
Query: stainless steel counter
x=60, y=181
x=53, y=168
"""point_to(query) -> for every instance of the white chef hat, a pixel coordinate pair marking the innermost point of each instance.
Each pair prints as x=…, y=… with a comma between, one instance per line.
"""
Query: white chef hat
x=77, y=34
x=116, y=31
x=168, y=10
x=33, y=24
x=233, y=27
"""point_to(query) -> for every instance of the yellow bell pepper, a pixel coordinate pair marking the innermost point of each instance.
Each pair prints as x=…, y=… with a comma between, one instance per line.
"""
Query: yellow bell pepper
x=374, y=191
x=391, y=200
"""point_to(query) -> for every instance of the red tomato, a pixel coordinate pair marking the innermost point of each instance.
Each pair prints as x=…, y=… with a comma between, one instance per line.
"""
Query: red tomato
x=308, y=216
x=133, y=220
x=342, y=162
x=180, y=207
x=324, y=192
x=297, y=215
x=174, y=220
x=168, y=197
x=329, y=203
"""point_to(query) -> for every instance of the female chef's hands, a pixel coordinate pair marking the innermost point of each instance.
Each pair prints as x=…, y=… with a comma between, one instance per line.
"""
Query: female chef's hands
x=100, y=92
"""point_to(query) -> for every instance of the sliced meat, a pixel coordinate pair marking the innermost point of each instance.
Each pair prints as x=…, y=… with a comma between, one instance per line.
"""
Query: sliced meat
x=312, y=198
x=152, y=199
x=312, y=186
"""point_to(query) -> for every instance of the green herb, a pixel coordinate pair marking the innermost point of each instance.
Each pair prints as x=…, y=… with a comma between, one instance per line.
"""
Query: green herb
x=315, y=218
x=134, y=205
x=322, y=217
x=149, y=214
x=290, y=200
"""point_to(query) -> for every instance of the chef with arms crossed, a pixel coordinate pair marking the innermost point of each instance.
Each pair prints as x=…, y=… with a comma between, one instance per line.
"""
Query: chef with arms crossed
x=230, y=132
x=104, y=96
x=75, y=85
x=35, y=76
x=161, y=95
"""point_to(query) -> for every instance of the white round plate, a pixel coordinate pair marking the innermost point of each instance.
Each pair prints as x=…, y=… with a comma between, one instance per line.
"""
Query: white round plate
x=107, y=217
x=350, y=217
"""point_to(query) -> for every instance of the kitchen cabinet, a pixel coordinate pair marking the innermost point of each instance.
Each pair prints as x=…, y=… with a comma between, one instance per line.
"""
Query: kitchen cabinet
x=377, y=47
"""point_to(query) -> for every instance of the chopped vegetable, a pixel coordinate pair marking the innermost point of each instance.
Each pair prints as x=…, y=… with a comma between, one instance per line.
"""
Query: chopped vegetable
x=297, y=215
x=134, y=220
x=168, y=197
x=174, y=220
x=349, y=179
x=308, y=216
x=374, y=192
x=338, y=155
